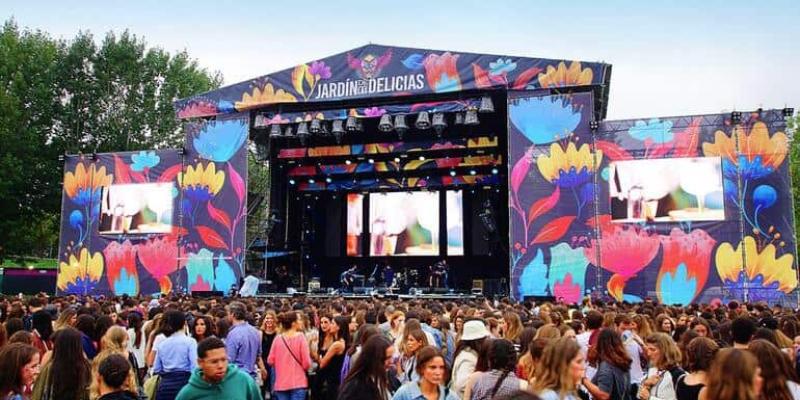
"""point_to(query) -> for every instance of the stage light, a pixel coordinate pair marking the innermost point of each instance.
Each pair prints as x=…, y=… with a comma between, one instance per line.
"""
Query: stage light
x=291, y=181
x=736, y=117
x=423, y=121
x=312, y=181
x=371, y=161
x=486, y=105
x=352, y=124
x=439, y=123
x=422, y=158
x=275, y=131
x=459, y=119
x=472, y=117
x=348, y=162
x=302, y=132
x=452, y=173
x=495, y=171
x=400, y=125
x=316, y=126
x=288, y=132
x=338, y=130
x=472, y=172
x=328, y=180
x=788, y=112
x=397, y=159
x=385, y=124
x=594, y=125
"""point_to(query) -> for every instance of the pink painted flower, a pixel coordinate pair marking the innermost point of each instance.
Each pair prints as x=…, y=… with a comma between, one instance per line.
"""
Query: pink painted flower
x=319, y=70
x=372, y=112
x=624, y=252
x=158, y=256
x=121, y=263
x=567, y=291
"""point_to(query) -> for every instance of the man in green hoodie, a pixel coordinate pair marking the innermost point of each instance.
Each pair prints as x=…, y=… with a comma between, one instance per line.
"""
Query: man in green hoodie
x=215, y=379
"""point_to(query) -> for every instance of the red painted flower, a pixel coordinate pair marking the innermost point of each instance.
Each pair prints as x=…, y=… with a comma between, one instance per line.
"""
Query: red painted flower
x=442, y=73
x=693, y=252
x=121, y=268
x=567, y=290
x=158, y=256
x=624, y=252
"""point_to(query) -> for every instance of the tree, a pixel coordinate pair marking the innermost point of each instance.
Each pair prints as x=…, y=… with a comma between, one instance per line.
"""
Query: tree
x=76, y=96
x=794, y=167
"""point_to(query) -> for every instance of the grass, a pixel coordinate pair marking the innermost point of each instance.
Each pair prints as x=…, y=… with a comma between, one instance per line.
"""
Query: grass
x=38, y=263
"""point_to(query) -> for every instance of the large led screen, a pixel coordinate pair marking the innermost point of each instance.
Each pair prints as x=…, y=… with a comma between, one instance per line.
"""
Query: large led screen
x=666, y=190
x=404, y=224
x=455, y=222
x=355, y=223
x=139, y=208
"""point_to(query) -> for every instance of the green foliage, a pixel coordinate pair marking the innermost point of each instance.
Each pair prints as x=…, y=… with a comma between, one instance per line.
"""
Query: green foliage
x=78, y=96
x=794, y=168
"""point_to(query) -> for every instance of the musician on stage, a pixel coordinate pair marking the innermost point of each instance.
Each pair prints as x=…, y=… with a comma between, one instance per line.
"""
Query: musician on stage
x=437, y=276
x=347, y=278
x=388, y=275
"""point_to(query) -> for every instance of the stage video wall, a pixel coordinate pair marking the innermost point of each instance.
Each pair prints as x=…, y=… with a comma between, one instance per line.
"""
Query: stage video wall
x=681, y=209
x=404, y=223
x=157, y=221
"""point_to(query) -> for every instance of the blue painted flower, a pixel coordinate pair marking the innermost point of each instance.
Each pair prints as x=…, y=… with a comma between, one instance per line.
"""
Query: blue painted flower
x=567, y=261
x=533, y=281
x=677, y=288
x=220, y=140
x=750, y=169
x=655, y=130
x=544, y=119
x=126, y=284
x=446, y=84
x=76, y=219
x=224, y=277
x=200, y=270
x=764, y=196
x=144, y=160
x=225, y=107
x=502, y=66
x=413, y=62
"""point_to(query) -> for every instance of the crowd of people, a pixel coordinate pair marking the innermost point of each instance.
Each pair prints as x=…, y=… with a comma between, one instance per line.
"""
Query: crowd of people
x=180, y=347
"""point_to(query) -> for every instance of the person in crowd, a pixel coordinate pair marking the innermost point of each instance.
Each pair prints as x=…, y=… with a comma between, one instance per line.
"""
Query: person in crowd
x=560, y=371
x=612, y=379
x=500, y=379
x=779, y=378
x=742, y=329
x=86, y=326
x=513, y=328
x=111, y=379
x=3, y=336
x=67, y=374
x=68, y=318
x=431, y=370
x=243, y=341
x=368, y=378
x=407, y=362
x=362, y=335
x=290, y=358
x=331, y=357
x=216, y=378
x=176, y=356
x=665, y=370
x=19, y=368
x=14, y=325
x=699, y=354
x=269, y=330
x=527, y=363
x=115, y=341
x=448, y=338
x=202, y=328
x=136, y=343
x=734, y=375
x=701, y=326
x=466, y=354
x=101, y=326
x=665, y=324
x=42, y=329
x=396, y=323
x=594, y=321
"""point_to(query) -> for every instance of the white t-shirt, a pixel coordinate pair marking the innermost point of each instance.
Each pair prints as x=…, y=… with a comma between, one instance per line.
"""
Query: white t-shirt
x=138, y=353
x=583, y=341
x=634, y=352
x=794, y=389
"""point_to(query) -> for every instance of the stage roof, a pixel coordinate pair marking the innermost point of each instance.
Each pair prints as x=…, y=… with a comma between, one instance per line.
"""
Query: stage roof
x=376, y=71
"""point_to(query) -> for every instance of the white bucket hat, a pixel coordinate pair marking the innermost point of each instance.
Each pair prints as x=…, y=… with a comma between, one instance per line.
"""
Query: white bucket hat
x=474, y=329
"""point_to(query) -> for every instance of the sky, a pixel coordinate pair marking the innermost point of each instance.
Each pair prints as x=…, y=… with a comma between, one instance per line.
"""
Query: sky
x=669, y=58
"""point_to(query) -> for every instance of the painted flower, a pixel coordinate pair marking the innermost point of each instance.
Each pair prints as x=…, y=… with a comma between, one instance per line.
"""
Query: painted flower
x=220, y=140
x=319, y=70
x=121, y=268
x=567, y=272
x=224, y=277
x=76, y=220
x=758, y=154
x=685, y=264
x=442, y=73
x=563, y=76
x=654, y=130
x=764, y=275
x=158, y=256
x=482, y=141
x=200, y=270
x=265, y=95
x=144, y=160
x=502, y=66
x=544, y=119
x=533, y=279
x=201, y=183
x=197, y=109
x=570, y=168
x=85, y=184
x=374, y=112
x=623, y=252
x=81, y=274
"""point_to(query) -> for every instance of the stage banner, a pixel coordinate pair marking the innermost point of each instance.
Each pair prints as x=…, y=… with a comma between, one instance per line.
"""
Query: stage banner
x=375, y=71
x=214, y=204
x=119, y=223
x=552, y=191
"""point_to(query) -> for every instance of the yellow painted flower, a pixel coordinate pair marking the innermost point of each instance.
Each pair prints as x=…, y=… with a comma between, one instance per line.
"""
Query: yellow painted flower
x=761, y=270
x=265, y=95
x=85, y=183
x=201, y=183
x=563, y=76
x=80, y=274
x=482, y=141
x=758, y=153
x=570, y=168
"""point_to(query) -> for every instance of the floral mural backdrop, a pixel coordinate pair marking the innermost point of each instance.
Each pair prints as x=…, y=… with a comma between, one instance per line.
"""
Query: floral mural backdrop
x=202, y=247
x=565, y=244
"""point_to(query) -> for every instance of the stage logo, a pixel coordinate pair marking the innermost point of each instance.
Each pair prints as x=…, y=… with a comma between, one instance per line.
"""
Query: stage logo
x=368, y=68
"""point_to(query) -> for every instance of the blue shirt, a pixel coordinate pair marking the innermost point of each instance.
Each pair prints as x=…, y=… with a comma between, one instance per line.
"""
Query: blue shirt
x=243, y=345
x=411, y=391
x=178, y=352
x=437, y=335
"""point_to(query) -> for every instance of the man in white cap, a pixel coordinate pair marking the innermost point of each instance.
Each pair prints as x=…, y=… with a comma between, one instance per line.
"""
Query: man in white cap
x=466, y=356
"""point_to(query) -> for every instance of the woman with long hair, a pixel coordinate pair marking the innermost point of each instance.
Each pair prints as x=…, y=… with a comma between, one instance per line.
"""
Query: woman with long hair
x=642, y=327
x=431, y=371
x=115, y=341
x=396, y=323
x=42, y=330
x=67, y=374
x=560, y=371
x=699, y=355
x=68, y=318
x=86, y=327
x=136, y=342
x=202, y=328
x=665, y=361
x=406, y=365
x=101, y=326
x=19, y=364
x=269, y=330
x=734, y=375
x=367, y=378
x=665, y=324
x=290, y=358
x=363, y=334
x=780, y=379
x=612, y=379
x=513, y=328
x=331, y=357
x=473, y=336
x=3, y=336
x=527, y=363
x=176, y=356
x=500, y=379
